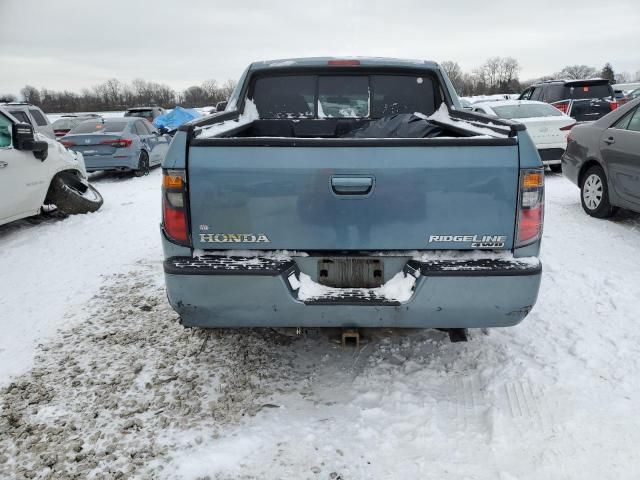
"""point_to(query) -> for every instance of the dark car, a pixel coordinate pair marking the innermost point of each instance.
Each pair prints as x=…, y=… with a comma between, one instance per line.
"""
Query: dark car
x=148, y=113
x=603, y=159
x=584, y=100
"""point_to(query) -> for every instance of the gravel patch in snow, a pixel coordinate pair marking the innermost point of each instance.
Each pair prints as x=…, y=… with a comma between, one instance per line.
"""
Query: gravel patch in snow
x=116, y=395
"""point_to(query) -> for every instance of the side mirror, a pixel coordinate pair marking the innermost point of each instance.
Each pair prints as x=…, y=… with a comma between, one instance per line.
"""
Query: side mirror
x=220, y=106
x=24, y=139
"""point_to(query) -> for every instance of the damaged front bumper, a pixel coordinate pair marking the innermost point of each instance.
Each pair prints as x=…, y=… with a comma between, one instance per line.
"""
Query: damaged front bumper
x=236, y=291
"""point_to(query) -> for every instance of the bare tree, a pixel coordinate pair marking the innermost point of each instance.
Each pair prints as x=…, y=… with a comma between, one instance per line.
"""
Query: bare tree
x=454, y=72
x=194, y=96
x=510, y=68
x=227, y=89
x=31, y=94
x=113, y=91
x=576, y=72
x=497, y=75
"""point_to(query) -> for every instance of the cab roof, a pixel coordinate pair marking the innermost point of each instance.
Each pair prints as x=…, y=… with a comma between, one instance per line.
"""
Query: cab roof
x=343, y=61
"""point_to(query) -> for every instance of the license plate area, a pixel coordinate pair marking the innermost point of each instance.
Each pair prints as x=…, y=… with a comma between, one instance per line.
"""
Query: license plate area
x=347, y=272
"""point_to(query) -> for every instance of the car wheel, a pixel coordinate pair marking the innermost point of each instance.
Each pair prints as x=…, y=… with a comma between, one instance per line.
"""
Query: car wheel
x=556, y=168
x=143, y=165
x=594, y=193
x=73, y=195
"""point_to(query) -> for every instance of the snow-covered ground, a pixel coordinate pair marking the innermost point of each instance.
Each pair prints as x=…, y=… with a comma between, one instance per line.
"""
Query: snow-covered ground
x=122, y=391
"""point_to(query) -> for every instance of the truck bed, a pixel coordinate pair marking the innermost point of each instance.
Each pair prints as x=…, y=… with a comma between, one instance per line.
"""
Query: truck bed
x=321, y=203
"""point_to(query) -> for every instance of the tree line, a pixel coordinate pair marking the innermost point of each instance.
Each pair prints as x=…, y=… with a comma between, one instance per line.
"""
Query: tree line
x=115, y=95
x=501, y=75
x=495, y=75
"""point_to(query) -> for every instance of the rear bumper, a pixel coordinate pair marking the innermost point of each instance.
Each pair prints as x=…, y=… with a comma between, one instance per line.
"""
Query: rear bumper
x=551, y=155
x=110, y=162
x=228, y=292
x=571, y=167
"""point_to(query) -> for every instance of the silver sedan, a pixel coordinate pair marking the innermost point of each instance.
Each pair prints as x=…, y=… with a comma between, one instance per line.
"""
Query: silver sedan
x=603, y=159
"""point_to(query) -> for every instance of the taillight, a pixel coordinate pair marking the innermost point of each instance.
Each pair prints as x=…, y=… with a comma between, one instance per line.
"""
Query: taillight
x=562, y=106
x=613, y=105
x=530, y=207
x=174, y=206
x=118, y=143
x=567, y=129
x=67, y=143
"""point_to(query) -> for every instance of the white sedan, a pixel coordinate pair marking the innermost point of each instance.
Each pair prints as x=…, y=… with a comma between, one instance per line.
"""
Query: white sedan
x=547, y=126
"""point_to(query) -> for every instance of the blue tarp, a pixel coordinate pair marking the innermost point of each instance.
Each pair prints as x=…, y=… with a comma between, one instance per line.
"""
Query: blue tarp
x=175, y=118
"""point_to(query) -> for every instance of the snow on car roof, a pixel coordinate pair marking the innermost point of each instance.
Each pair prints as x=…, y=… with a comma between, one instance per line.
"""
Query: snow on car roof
x=499, y=103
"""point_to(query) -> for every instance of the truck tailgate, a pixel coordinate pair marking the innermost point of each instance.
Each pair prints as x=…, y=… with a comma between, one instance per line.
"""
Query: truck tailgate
x=352, y=198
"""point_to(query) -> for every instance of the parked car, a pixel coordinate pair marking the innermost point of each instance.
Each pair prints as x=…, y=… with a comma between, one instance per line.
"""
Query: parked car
x=27, y=113
x=585, y=100
x=124, y=144
x=64, y=124
x=376, y=217
x=603, y=159
x=148, y=113
x=35, y=170
x=633, y=94
x=626, y=87
x=466, y=104
x=547, y=125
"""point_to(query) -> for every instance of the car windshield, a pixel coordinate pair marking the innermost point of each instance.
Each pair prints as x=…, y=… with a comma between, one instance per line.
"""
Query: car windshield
x=342, y=96
x=139, y=113
x=525, y=110
x=92, y=126
x=65, y=123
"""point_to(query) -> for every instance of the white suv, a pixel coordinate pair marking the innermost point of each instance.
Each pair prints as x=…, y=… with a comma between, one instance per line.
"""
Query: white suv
x=37, y=171
x=27, y=113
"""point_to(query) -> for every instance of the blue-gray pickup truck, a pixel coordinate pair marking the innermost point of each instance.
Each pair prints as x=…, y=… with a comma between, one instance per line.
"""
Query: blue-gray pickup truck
x=354, y=193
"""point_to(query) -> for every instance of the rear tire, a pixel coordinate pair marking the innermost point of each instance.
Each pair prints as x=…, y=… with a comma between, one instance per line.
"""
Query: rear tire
x=143, y=165
x=72, y=195
x=594, y=193
x=557, y=168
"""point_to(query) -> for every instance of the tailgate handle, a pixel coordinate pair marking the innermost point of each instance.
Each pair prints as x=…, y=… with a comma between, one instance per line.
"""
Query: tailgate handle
x=352, y=185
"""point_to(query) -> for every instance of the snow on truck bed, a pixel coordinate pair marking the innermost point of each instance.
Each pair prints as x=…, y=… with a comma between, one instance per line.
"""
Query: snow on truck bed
x=122, y=390
x=441, y=116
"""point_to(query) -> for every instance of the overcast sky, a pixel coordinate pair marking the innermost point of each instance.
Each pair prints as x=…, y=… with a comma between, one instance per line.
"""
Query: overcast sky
x=71, y=44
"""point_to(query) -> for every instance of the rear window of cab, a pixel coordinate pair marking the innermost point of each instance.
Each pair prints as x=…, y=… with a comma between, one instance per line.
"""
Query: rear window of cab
x=343, y=96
